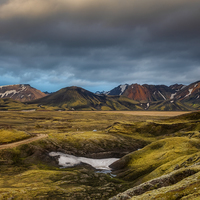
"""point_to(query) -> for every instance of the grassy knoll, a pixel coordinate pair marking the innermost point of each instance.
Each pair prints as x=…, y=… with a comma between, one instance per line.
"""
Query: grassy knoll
x=159, y=158
x=168, y=161
x=8, y=104
x=8, y=136
x=74, y=183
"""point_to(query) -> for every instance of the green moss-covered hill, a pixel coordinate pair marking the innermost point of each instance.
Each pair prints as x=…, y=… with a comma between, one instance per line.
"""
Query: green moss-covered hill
x=168, y=167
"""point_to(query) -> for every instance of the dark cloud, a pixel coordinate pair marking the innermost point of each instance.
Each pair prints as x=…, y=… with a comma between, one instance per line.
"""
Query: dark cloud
x=57, y=43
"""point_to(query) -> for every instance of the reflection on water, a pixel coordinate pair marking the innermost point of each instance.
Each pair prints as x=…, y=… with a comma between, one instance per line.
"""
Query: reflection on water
x=106, y=172
x=66, y=160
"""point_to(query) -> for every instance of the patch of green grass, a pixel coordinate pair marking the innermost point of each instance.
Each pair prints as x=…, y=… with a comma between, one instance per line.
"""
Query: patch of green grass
x=11, y=135
x=71, y=183
x=159, y=158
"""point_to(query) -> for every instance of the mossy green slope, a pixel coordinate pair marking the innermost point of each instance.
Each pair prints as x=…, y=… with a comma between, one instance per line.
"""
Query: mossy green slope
x=37, y=183
x=10, y=104
x=158, y=158
x=11, y=135
x=170, y=105
x=171, y=162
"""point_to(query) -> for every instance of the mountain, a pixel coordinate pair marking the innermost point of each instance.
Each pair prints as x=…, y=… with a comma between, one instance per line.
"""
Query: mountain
x=46, y=92
x=190, y=95
x=191, y=91
x=123, y=97
x=131, y=97
x=119, y=90
x=20, y=92
x=76, y=98
x=103, y=92
x=149, y=93
x=145, y=92
x=162, y=97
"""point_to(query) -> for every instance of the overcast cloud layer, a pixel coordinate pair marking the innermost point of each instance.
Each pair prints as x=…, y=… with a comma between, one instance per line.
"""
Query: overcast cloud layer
x=99, y=44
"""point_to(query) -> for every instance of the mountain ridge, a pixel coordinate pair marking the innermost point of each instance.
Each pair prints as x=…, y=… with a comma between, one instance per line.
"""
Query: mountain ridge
x=77, y=98
x=123, y=97
x=147, y=92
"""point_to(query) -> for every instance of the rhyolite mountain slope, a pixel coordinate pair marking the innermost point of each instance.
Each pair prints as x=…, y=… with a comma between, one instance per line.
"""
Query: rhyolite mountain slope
x=20, y=92
x=192, y=90
x=150, y=93
x=145, y=92
x=188, y=95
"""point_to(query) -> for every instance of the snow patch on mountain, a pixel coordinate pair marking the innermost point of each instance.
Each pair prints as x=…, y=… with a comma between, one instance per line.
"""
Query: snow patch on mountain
x=183, y=87
x=5, y=94
x=148, y=104
x=13, y=92
x=190, y=92
x=172, y=96
x=162, y=95
x=123, y=88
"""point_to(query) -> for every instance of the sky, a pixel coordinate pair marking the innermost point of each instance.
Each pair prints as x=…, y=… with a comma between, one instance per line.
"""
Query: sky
x=99, y=44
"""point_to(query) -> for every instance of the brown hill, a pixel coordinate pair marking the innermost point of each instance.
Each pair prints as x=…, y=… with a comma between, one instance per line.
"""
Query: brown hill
x=20, y=92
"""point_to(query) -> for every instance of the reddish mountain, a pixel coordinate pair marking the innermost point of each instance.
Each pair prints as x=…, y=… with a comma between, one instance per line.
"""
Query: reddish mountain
x=137, y=92
x=148, y=92
x=21, y=92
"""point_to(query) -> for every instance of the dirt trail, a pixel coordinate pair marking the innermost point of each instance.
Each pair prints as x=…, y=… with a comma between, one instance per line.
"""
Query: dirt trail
x=143, y=113
x=26, y=141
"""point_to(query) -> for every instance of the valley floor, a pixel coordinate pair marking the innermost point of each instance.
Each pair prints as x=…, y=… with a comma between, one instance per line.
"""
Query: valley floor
x=150, y=144
x=147, y=113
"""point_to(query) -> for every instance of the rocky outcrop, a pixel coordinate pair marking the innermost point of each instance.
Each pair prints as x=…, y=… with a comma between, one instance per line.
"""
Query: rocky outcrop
x=163, y=181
